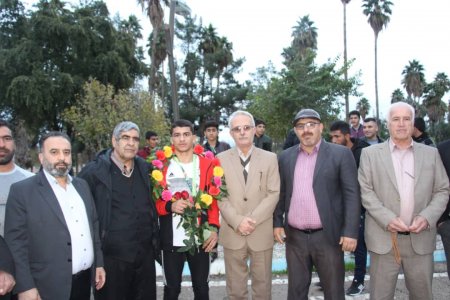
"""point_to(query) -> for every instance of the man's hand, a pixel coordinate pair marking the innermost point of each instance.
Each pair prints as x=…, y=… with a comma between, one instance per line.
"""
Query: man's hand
x=247, y=226
x=211, y=242
x=100, y=278
x=348, y=244
x=397, y=225
x=179, y=206
x=7, y=283
x=419, y=224
x=279, y=234
x=32, y=294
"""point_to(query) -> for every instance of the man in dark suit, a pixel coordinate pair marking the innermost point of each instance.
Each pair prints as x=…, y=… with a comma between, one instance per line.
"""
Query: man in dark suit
x=7, y=281
x=443, y=225
x=319, y=208
x=51, y=228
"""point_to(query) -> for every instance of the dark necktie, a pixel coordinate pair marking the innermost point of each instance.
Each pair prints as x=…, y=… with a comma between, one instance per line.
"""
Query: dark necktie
x=244, y=164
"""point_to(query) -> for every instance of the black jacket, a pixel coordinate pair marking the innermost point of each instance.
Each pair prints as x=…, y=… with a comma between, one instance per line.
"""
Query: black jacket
x=6, y=262
x=97, y=174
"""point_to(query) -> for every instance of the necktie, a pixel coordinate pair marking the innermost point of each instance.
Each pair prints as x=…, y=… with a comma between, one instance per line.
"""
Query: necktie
x=244, y=164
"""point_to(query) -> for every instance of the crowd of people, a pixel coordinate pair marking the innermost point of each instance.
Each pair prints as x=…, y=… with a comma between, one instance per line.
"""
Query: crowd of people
x=102, y=231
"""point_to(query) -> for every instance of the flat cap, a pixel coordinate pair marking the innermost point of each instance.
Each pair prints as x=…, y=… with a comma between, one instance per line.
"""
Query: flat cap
x=306, y=113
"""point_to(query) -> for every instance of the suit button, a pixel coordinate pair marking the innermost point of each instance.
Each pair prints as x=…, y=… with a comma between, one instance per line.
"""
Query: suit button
x=69, y=244
x=245, y=199
x=69, y=260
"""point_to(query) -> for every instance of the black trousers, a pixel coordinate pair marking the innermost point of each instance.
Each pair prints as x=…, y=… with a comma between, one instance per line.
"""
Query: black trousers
x=81, y=286
x=173, y=263
x=129, y=280
x=303, y=251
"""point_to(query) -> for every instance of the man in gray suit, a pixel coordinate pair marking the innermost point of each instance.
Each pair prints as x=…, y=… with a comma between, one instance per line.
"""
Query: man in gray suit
x=404, y=189
x=51, y=228
x=319, y=208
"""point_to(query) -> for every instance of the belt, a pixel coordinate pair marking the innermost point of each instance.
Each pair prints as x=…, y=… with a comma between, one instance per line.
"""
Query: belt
x=310, y=231
x=403, y=232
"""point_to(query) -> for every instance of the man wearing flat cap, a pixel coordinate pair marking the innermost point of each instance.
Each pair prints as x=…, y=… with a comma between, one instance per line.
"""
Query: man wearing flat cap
x=317, y=215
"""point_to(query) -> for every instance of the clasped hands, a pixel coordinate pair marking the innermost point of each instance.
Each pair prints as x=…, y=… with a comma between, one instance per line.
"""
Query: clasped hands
x=418, y=224
x=247, y=226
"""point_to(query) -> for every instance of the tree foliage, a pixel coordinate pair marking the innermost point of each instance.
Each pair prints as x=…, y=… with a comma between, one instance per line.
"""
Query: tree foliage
x=48, y=53
x=93, y=126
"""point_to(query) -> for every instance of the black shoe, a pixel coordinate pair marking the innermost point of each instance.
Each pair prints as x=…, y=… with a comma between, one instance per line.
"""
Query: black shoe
x=355, y=289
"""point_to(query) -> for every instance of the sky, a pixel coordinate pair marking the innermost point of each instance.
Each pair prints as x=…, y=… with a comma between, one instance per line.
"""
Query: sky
x=260, y=29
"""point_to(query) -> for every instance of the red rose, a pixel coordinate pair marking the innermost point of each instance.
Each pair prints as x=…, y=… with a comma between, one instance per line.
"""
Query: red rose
x=215, y=162
x=160, y=155
x=185, y=195
x=214, y=191
x=198, y=149
x=177, y=195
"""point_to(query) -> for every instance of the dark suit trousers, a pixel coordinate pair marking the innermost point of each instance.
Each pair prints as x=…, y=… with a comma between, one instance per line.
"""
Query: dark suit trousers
x=303, y=251
x=129, y=280
x=81, y=286
x=444, y=231
x=360, y=254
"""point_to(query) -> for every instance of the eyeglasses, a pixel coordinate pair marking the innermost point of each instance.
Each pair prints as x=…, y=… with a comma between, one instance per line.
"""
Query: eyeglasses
x=238, y=129
x=7, y=139
x=309, y=125
x=127, y=139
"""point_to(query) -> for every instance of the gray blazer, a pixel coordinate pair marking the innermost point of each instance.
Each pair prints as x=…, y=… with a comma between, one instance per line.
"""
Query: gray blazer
x=335, y=188
x=381, y=198
x=37, y=235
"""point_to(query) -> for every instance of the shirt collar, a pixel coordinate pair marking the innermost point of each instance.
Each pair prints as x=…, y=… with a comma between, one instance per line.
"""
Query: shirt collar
x=393, y=146
x=52, y=179
x=241, y=154
x=316, y=147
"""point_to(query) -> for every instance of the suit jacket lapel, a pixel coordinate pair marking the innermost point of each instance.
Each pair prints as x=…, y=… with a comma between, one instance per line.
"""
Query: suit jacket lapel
x=253, y=172
x=48, y=195
x=322, y=158
x=418, y=162
x=386, y=158
x=237, y=167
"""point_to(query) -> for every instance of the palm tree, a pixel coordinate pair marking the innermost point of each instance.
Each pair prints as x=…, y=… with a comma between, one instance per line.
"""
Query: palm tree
x=344, y=4
x=435, y=91
x=363, y=106
x=224, y=57
x=397, y=96
x=305, y=36
x=156, y=15
x=414, y=80
x=379, y=12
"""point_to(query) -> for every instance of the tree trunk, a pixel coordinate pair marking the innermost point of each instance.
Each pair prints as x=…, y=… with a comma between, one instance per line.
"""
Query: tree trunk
x=347, y=110
x=376, y=79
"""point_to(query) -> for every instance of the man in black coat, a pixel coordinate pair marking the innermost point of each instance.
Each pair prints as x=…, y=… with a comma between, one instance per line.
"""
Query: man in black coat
x=7, y=281
x=120, y=183
x=444, y=221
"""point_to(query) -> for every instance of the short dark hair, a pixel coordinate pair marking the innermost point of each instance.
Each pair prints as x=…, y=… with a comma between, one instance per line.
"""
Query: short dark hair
x=6, y=124
x=259, y=122
x=354, y=112
x=149, y=134
x=419, y=123
x=211, y=123
x=342, y=126
x=50, y=134
x=182, y=123
x=370, y=119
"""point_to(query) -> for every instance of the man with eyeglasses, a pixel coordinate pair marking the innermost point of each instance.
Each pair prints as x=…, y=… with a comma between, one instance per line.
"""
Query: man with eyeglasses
x=253, y=186
x=119, y=181
x=317, y=215
x=9, y=171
